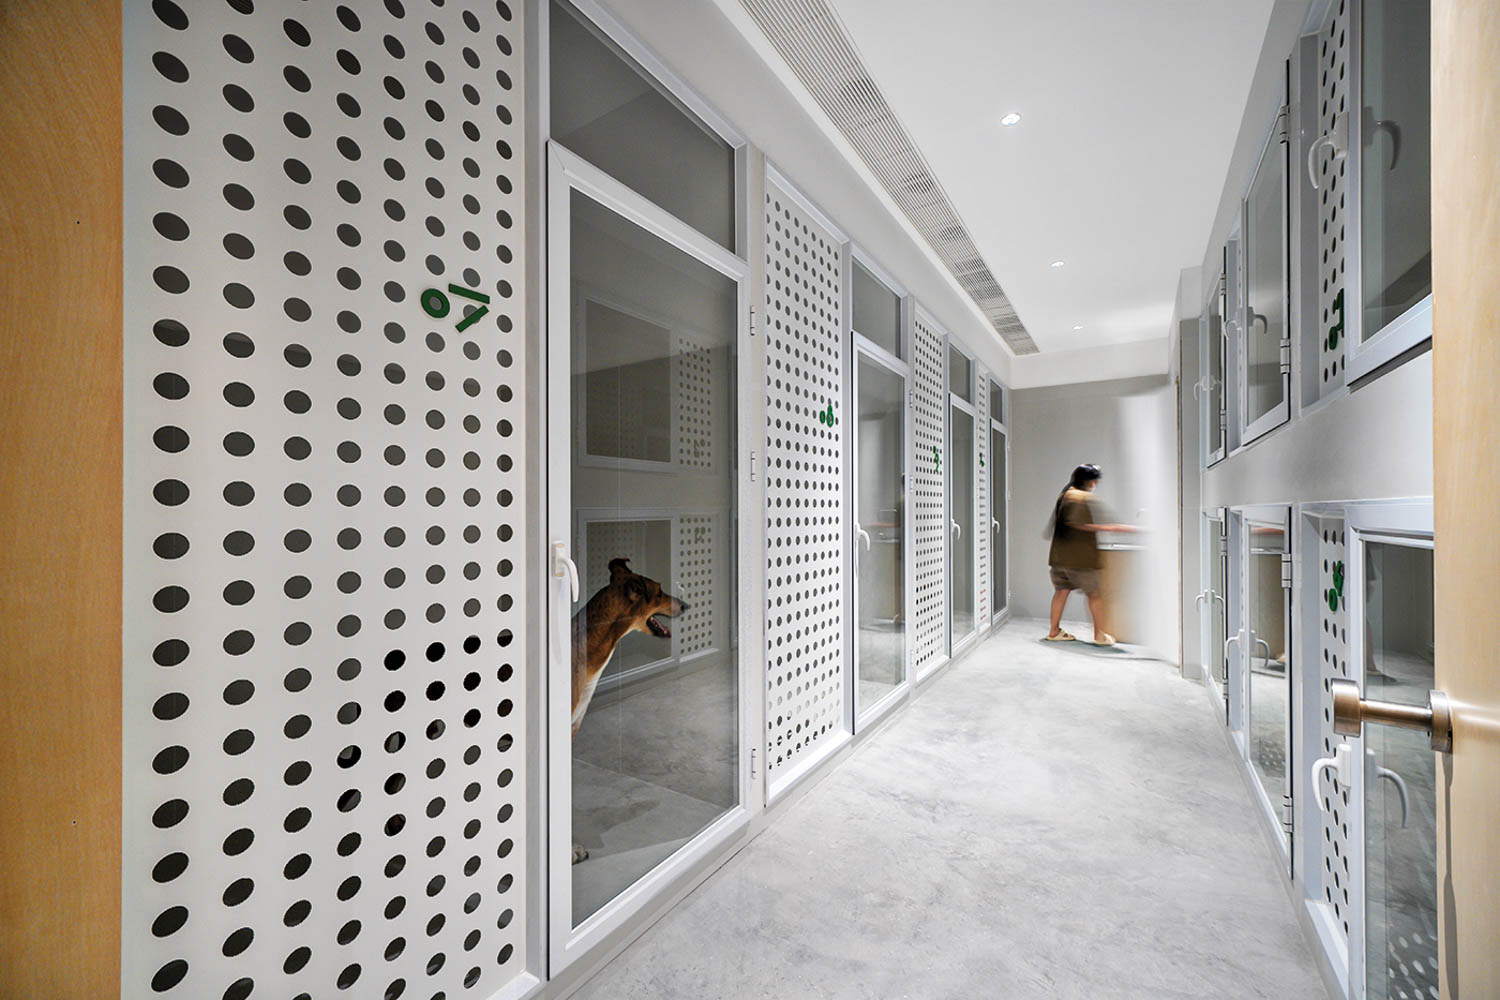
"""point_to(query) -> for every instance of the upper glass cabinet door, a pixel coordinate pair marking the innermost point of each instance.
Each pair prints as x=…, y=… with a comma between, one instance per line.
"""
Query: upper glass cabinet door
x=1394, y=159
x=1264, y=383
x=1213, y=387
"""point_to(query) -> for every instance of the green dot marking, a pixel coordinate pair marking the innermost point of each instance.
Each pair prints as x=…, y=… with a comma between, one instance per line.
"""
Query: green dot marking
x=435, y=303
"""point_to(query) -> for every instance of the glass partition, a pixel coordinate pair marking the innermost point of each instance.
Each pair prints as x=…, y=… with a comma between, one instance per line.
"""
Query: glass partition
x=607, y=110
x=654, y=676
x=999, y=507
x=1395, y=160
x=1216, y=601
x=960, y=374
x=1269, y=683
x=1401, y=888
x=1213, y=387
x=961, y=527
x=1265, y=402
x=876, y=309
x=879, y=553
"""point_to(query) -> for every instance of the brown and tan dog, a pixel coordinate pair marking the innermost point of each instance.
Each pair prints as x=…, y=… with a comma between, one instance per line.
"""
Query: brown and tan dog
x=628, y=603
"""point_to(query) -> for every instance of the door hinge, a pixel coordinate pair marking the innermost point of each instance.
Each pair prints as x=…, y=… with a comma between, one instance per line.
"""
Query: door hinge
x=752, y=321
x=752, y=465
x=752, y=764
x=1283, y=117
x=1286, y=357
x=1286, y=571
x=1286, y=815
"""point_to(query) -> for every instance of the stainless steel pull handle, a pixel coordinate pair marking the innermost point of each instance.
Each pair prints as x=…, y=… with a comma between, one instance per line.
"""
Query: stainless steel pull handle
x=1350, y=712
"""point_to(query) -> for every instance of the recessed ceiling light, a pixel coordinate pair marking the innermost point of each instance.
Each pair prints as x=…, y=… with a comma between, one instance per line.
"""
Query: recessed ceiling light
x=1010, y=119
x=1057, y=263
x=1077, y=328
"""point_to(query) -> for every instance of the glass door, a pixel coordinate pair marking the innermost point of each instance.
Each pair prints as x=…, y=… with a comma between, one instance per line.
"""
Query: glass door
x=645, y=731
x=1268, y=692
x=1213, y=602
x=1394, y=604
x=880, y=528
x=999, y=502
x=1212, y=387
x=962, y=457
x=1265, y=400
x=1392, y=154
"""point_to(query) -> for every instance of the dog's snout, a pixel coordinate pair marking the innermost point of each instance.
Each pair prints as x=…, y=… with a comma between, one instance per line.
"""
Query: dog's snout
x=682, y=605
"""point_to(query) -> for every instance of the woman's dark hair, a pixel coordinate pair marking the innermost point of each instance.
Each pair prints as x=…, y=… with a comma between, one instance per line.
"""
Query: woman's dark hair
x=1081, y=477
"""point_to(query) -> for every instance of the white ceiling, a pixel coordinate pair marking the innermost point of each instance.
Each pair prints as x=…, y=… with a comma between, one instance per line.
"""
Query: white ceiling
x=1129, y=109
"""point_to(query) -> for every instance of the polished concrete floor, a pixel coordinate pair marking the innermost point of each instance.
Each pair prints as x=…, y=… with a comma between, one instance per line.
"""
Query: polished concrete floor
x=1042, y=822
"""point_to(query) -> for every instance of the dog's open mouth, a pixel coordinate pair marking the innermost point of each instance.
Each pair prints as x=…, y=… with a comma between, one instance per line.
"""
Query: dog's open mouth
x=658, y=626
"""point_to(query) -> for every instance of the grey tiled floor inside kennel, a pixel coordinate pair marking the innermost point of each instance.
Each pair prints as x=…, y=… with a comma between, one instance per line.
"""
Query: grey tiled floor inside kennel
x=1037, y=824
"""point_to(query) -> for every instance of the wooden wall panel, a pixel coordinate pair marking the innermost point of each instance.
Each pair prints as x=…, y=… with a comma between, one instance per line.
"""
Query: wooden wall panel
x=1466, y=425
x=60, y=508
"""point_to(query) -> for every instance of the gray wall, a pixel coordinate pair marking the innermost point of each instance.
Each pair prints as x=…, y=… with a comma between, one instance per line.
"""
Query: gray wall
x=1190, y=412
x=1129, y=428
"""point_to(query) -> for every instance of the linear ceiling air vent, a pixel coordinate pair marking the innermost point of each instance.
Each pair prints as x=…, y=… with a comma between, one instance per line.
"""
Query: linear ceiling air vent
x=815, y=44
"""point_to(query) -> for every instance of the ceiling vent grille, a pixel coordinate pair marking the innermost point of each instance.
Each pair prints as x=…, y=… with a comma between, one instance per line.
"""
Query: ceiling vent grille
x=818, y=49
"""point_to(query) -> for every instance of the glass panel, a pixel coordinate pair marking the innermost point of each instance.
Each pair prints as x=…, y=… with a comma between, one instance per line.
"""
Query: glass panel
x=1218, y=575
x=961, y=507
x=1401, y=951
x=1215, y=394
x=997, y=517
x=610, y=112
x=960, y=375
x=652, y=764
x=881, y=503
x=1265, y=270
x=1395, y=168
x=877, y=310
x=1270, y=691
x=997, y=403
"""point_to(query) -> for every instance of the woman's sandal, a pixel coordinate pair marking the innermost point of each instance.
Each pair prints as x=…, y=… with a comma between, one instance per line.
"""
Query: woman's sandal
x=1061, y=636
x=1108, y=640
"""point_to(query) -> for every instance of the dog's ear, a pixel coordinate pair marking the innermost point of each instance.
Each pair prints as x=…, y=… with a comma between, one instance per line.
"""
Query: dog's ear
x=618, y=568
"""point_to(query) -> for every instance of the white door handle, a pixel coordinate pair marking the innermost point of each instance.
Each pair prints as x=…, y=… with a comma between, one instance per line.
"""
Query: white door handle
x=1393, y=778
x=863, y=534
x=563, y=566
x=1340, y=762
x=994, y=526
x=957, y=531
x=1337, y=140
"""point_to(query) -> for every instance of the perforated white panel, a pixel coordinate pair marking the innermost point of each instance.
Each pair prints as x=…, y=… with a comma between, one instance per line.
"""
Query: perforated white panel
x=929, y=487
x=323, y=757
x=1334, y=665
x=805, y=431
x=694, y=378
x=982, y=494
x=1334, y=69
x=703, y=571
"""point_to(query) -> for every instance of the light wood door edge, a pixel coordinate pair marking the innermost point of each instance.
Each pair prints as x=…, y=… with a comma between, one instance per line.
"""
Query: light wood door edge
x=1466, y=429
x=60, y=509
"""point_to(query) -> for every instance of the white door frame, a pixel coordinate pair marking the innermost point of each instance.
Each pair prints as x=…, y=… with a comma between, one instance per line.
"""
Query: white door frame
x=1277, y=144
x=999, y=603
x=567, y=173
x=957, y=644
x=864, y=348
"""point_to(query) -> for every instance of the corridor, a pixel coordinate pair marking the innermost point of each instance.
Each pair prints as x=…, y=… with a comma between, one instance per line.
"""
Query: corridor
x=1084, y=832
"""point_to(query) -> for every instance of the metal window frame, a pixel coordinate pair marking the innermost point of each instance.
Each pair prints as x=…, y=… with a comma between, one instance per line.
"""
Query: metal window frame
x=1413, y=327
x=1213, y=383
x=1213, y=529
x=567, y=944
x=1277, y=142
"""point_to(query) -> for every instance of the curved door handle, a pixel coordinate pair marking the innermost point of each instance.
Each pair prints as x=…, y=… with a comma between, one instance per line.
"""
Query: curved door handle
x=1337, y=140
x=1261, y=642
x=863, y=534
x=958, y=532
x=1393, y=778
x=1231, y=639
x=994, y=526
x=1340, y=762
x=562, y=566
